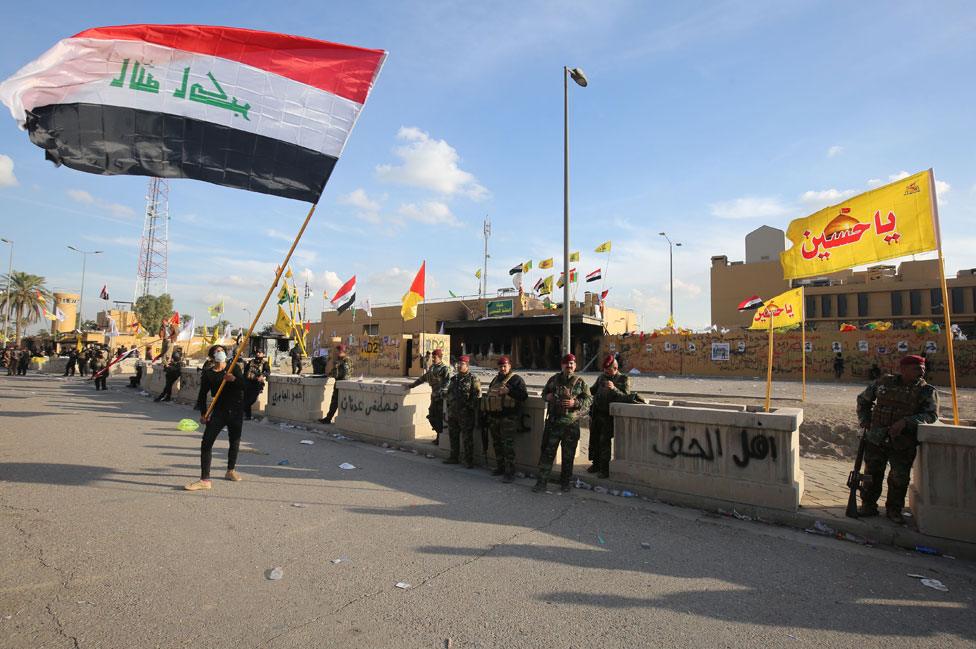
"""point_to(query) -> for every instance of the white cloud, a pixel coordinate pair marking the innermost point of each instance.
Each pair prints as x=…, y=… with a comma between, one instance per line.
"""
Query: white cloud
x=115, y=209
x=7, y=177
x=941, y=189
x=874, y=182
x=430, y=164
x=898, y=176
x=688, y=288
x=835, y=150
x=825, y=197
x=367, y=209
x=430, y=212
x=277, y=234
x=749, y=207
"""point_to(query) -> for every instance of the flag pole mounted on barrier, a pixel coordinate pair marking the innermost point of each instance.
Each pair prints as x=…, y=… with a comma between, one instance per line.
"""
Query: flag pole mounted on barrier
x=769, y=363
x=946, y=305
x=803, y=346
x=264, y=303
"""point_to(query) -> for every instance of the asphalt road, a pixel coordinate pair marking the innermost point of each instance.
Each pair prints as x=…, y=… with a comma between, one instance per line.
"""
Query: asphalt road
x=101, y=548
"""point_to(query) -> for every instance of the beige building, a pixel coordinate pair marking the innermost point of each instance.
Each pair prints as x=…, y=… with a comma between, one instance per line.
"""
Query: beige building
x=485, y=328
x=899, y=294
x=68, y=304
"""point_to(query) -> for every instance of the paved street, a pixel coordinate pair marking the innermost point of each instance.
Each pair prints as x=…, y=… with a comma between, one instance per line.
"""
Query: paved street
x=102, y=548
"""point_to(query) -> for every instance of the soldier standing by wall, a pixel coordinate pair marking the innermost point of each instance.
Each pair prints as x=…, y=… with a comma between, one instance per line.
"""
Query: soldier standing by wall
x=98, y=363
x=502, y=407
x=341, y=369
x=171, y=372
x=69, y=366
x=256, y=373
x=610, y=387
x=296, y=359
x=889, y=412
x=463, y=395
x=437, y=375
x=567, y=396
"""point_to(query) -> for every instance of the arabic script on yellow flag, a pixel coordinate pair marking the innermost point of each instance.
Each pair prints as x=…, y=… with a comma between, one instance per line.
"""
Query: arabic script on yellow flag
x=887, y=222
x=785, y=309
x=283, y=323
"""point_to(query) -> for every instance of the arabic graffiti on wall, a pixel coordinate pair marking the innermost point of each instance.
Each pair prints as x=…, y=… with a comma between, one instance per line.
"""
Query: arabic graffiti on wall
x=752, y=446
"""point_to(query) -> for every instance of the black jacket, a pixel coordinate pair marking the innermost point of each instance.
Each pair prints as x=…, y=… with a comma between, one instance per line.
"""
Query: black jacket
x=231, y=402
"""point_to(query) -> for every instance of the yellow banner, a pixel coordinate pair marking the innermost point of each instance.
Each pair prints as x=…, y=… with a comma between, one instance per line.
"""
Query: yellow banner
x=546, y=263
x=283, y=323
x=786, y=309
x=408, y=309
x=887, y=222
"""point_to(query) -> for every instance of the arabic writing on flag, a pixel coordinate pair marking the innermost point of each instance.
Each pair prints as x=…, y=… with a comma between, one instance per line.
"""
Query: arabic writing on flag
x=785, y=309
x=891, y=221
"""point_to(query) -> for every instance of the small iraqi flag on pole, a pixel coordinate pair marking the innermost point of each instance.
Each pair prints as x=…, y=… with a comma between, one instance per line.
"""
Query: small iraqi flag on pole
x=345, y=296
x=104, y=293
x=750, y=303
x=594, y=276
x=247, y=109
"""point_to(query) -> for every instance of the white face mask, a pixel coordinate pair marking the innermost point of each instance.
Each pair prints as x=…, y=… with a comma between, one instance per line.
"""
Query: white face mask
x=220, y=357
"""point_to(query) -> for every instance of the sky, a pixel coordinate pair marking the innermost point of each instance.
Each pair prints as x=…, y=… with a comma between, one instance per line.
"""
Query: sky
x=704, y=120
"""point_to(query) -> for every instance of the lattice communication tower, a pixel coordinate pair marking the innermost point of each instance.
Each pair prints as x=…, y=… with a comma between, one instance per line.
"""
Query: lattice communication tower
x=153, y=250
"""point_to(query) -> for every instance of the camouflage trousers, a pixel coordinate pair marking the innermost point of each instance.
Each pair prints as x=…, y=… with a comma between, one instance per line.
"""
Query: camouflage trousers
x=435, y=415
x=876, y=459
x=556, y=434
x=601, y=436
x=460, y=428
x=503, y=430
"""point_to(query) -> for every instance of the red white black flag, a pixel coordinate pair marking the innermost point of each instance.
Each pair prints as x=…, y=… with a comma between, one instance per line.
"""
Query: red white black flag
x=345, y=296
x=750, y=303
x=104, y=294
x=253, y=110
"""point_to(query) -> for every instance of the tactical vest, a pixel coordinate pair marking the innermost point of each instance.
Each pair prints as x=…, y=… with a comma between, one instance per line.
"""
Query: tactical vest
x=604, y=396
x=459, y=390
x=496, y=402
x=438, y=376
x=894, y=401
x=565, y=391
x=253, y=370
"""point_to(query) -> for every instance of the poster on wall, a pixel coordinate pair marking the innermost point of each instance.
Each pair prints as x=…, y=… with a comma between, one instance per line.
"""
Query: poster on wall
x=808, y=347
x=902, y=346
x=741, y=347
x=882, y=349
x=692, y=347
x=720, y=351
x=667, y=347
x=862, y=346
x=930, y=347
x=649, y=347
x=836, y=346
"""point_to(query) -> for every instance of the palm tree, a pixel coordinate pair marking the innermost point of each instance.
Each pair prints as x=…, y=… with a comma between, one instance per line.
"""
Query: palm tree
x=24, y=297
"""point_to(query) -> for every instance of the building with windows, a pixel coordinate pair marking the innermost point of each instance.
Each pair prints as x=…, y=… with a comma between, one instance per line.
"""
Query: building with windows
x=899, y=294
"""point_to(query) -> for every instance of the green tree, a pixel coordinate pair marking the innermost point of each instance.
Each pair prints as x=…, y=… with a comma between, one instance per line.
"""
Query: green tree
x=24, y=296
x=152, y=310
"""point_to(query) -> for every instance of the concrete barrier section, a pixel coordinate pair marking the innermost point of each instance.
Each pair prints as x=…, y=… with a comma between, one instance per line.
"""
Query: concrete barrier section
x=943, y=490
x=730, y=456
x=384, y=409
x=298, y=398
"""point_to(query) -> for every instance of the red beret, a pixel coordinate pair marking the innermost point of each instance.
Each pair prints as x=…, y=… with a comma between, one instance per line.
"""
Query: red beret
x=437, y=352
x=913, y=360
x=504, y=360
x=340, y=348
x=609, y=361
x=465, y=359
x=569, y=357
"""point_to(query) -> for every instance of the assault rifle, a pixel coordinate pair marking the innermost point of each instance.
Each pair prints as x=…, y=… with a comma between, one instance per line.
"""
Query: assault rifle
x=856, y=480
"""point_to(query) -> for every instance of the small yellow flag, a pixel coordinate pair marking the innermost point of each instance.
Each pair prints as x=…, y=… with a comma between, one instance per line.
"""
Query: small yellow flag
x=546, y=263
x=603, y=247
x=785, y=309
x=283, y=323
x=288, y=273
x=574, y=256
x=477, y=273
x=891, y=221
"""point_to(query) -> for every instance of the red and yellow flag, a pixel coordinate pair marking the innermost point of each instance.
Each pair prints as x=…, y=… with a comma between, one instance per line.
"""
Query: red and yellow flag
x=887, y=222
x=785, y=309
x=414, y=296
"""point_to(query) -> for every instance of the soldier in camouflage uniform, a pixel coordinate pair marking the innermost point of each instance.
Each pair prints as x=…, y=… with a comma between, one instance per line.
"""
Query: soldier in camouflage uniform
x=502, y=409
x=463, y=396
x=437, y=375
x=610, y=387
x=567, y=397
x=889, y=411
x=341, y=369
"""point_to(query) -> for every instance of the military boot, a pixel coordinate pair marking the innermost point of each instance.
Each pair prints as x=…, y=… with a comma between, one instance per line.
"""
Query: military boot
x=540, y=485
x=499, y=470
x=866, y=511
x=894, y=515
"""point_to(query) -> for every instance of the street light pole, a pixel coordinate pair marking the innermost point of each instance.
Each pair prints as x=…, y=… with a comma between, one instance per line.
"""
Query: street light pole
x=10, y=269
x=580, y=78
x=84, y=263
x=671, y=246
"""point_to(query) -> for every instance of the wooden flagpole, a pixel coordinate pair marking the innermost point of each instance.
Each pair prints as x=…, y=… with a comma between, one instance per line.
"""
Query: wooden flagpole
x=264, y=303
x=946, y=306
x=769, y=361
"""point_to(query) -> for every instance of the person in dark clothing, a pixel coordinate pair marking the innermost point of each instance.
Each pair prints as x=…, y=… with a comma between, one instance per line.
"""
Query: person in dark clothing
x=296, y=359
x=83, y=360
x=23, y=362
x=838, y=365
x=875, y=372
x=229, y=412
x=69, y=367
x=256, y=373
x=134, y=381
x=172, y=374
x=98, y=368
x=319, y=365
x=341, y=369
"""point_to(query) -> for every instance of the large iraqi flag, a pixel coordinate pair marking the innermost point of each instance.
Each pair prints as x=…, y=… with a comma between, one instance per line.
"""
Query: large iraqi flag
x=253, y=110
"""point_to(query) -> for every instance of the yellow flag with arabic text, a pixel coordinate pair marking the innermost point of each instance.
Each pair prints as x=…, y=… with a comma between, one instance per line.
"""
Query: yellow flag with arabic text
x=891, y=221
x=785, y=309
x=284, y=322
x=603, y=247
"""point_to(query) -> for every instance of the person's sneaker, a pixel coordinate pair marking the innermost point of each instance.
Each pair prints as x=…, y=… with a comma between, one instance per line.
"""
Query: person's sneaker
x=198, y=485
x=565, y=487
x=325, y=420
x=498, y=471
x=508, y=478
x=603, y=475
x=592, y=469
x=452, y=460
x=232, y=475
x=539, y=486
x=866, y=511
x=894, y=515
